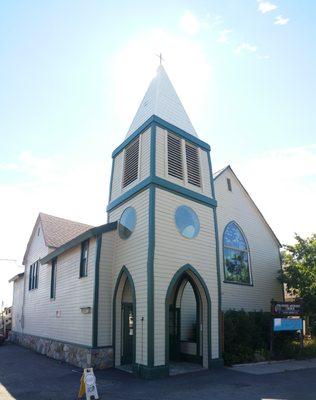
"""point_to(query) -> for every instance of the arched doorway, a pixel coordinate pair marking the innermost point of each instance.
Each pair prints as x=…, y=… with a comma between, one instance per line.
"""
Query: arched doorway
x=124, y=320
x=188, y=316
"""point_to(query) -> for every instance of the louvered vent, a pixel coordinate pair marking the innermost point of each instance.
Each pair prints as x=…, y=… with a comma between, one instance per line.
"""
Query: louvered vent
x=193, y=165
x=131, y=163
x=174, y=157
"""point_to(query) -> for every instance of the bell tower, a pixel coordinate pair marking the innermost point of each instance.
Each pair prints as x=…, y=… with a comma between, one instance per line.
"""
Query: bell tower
x=162, y=195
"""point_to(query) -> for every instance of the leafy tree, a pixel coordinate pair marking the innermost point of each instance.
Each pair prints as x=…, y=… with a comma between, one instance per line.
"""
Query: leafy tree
x=299, y=271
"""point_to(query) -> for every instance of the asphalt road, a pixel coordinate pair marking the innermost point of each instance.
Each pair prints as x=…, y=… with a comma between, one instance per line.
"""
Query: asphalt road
x=25, y=375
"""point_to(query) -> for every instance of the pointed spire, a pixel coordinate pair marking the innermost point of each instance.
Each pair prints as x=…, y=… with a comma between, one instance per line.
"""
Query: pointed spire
x=162, y=100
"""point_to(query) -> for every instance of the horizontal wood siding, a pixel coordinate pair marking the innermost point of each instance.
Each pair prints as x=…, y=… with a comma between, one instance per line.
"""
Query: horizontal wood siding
x=62, y=318
x=117, y=175
x=264, y=252
x=18, y=291
x=105, y=289
x=144, y=166
x=132, y=253
x=172, y=251
x=188, y=312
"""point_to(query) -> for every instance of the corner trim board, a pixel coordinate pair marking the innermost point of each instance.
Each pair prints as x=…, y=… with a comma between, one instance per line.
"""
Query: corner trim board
x=150, y=278
x=165, y=125
x=164, y=184
x=95, y=323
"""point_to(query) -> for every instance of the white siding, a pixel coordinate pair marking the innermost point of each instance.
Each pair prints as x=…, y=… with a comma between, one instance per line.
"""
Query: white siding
x=144, y=166
x=105, y=289
x=62, y=319
x=132, y=253
x=172, y=251
x=162, y=166
x=264, y=251
x=18, y=291
x=188, y=312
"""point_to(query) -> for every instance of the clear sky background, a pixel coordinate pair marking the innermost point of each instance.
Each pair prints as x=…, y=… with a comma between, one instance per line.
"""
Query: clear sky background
x=72, y=74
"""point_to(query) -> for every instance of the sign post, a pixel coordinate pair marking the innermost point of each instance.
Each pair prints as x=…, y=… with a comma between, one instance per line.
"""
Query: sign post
x=286, y=316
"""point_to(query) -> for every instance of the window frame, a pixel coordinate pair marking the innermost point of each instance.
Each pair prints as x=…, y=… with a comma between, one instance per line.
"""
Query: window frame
x=247, y=251
x=83, y=268
x=131, y=208
x=184, y=180
x=123, y=184
x=53, y=279
x=189, y=166
x=229, y=184
x=33, y=275
x=182, y=165
x=194, y=215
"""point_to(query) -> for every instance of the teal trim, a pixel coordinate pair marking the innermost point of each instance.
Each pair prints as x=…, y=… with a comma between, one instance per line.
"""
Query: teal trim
x=78, y=240
x=198, y=357
x=134, y=135
x=125, y=271
x=185, y=269
x=96, y=292
x=237, y=283
x=174, y=129
x=218, y=268
x=129, y=194
x=145, y=372
x=211, y=174
x=164, y=184
x=111, y=179
x=83, y=267
x=153, y=150
x=249, y=257
x=189, y=194
x=165, y=125
x=216, y=363
x=150, y=278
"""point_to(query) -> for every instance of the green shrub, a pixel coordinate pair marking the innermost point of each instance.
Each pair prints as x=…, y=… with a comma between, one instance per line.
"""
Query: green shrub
x=247, y=339
x=246, y=336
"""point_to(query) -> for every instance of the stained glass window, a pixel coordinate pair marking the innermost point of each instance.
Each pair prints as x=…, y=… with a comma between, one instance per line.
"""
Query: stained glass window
x=236, y=255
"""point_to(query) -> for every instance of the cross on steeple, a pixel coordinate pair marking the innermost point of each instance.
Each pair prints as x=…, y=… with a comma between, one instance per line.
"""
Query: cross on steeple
x=160, y=58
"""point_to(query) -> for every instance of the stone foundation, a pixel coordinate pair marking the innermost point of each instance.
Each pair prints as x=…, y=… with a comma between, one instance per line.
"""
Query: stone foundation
x=75, y=354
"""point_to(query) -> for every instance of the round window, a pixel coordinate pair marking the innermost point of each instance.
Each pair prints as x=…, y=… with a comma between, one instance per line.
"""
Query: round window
x=187, y=222
x=127, y=222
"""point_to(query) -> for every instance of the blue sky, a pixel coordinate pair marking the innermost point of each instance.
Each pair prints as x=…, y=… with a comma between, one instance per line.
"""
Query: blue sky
x=72, y=74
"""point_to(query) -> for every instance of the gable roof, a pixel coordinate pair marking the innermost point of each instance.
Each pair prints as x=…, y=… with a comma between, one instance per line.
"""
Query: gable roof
x=16, y=277
x=228, y=167
x=94, y=231
x=56, y=231
x=162, y=100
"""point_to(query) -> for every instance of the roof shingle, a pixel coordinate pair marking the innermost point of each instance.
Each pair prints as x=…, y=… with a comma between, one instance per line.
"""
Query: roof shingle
x=58, y=231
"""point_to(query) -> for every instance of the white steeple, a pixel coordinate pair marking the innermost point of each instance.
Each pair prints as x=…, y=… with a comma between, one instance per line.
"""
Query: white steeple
x=162, y=100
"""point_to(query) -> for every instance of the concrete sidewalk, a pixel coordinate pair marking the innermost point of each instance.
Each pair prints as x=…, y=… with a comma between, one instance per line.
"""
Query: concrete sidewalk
x=273, y=367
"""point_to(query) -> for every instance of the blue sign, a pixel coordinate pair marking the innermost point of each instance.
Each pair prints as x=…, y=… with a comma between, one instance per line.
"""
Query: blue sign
x=287, y=324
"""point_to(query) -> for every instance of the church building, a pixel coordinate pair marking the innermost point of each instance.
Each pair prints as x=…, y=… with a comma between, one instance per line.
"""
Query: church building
x=147, y=289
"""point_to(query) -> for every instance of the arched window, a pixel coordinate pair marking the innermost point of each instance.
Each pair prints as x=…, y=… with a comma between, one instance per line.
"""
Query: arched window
x=236, y=255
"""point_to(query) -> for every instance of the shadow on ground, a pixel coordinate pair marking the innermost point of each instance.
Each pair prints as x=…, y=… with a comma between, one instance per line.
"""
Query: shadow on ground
x=26, y=375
